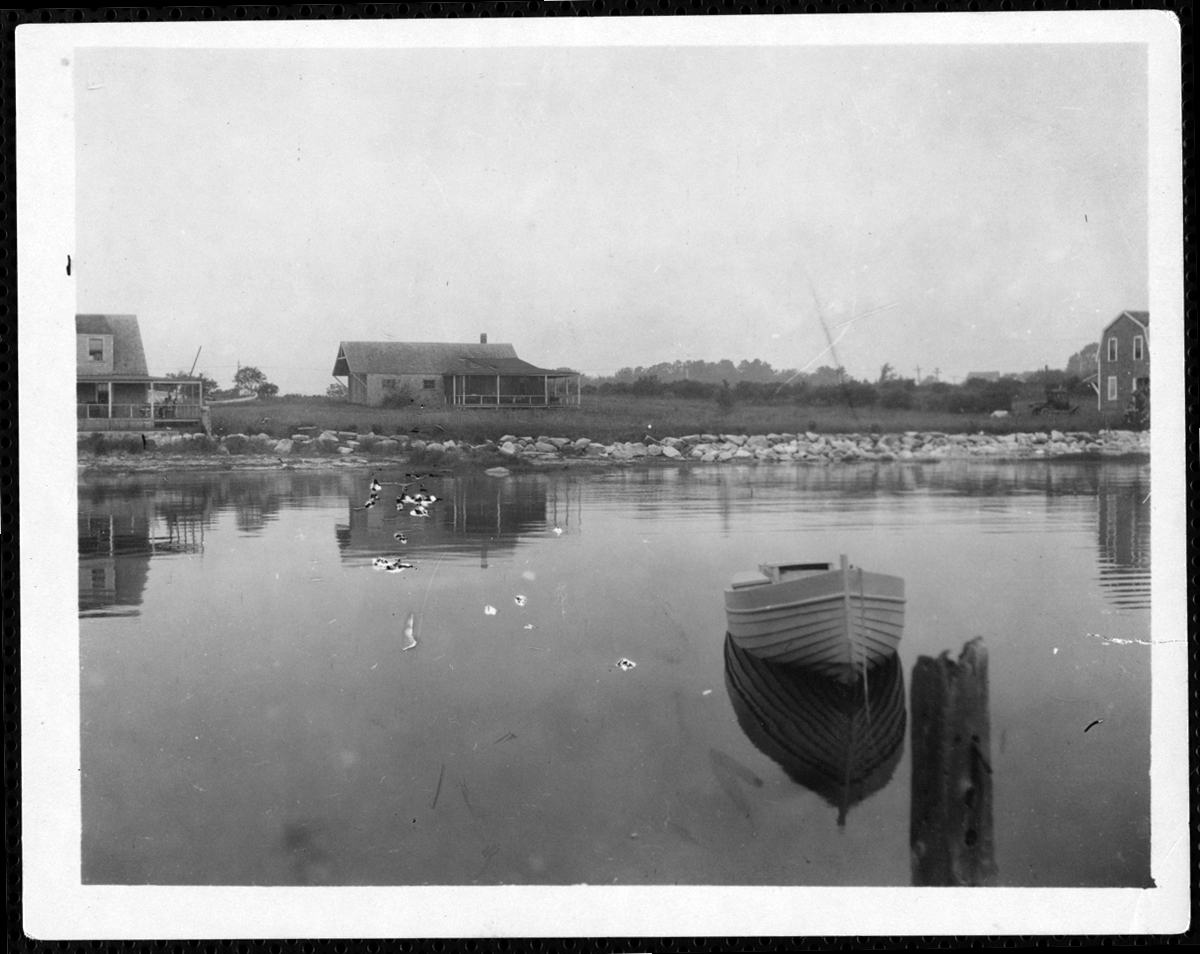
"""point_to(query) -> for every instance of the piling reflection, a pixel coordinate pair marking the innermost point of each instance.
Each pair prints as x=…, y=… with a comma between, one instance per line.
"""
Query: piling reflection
x=841, y=741
x=950, y=823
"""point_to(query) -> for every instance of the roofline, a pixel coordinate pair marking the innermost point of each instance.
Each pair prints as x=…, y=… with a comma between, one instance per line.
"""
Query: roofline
x=1128, y=314
x=119, y=378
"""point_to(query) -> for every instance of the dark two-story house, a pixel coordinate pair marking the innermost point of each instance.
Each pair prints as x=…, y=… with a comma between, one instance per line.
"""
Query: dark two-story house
x=1123, y=361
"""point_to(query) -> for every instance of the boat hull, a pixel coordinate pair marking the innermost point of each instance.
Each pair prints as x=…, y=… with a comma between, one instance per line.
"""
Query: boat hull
x=839, y=623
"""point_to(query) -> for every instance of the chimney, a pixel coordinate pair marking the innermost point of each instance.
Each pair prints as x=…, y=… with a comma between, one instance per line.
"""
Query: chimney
x=483, y=338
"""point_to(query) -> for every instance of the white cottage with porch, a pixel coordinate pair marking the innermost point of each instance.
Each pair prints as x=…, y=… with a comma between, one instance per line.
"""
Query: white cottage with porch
x=461, y=375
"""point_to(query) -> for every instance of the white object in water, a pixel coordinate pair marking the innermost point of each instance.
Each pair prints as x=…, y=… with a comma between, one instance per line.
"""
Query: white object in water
x=409, y=639
x=519, y=600
x=489, y=610
x=625, y=664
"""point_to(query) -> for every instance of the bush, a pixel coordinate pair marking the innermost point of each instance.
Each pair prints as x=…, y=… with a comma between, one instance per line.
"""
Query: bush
x=689, y=388
x=725, y=399
x=897, y=398
x=647, y=387
x=403, y=396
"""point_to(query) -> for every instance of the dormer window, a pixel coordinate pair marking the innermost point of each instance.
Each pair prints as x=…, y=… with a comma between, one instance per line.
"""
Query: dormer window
x=95, y=349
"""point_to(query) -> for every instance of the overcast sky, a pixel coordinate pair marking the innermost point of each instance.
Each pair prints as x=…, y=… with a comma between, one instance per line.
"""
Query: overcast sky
x=975, y=208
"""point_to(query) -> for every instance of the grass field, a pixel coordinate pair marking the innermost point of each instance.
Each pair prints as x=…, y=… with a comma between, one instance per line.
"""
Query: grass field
x=609, y=418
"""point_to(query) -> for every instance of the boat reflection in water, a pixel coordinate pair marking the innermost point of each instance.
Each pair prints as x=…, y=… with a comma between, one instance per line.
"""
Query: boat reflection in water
x=950, y=826
x=841, y=740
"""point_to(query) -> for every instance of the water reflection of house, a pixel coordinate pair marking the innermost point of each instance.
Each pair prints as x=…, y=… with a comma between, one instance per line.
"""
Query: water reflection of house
x=114, y=556
x=1123, y=529
x=119, y=533
x=474, y=513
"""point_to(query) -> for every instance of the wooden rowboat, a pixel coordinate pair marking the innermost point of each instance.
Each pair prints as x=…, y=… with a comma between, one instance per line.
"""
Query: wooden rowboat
x=839, y=622
x=841, y=741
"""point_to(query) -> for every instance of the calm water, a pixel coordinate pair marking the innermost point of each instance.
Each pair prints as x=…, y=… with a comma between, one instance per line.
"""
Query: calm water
x=250, y=714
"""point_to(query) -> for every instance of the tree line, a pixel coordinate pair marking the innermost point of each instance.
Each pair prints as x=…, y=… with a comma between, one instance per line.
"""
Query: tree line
x=757, y=382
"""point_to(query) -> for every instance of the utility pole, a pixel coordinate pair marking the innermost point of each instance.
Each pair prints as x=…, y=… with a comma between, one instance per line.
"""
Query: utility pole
x=937, y=374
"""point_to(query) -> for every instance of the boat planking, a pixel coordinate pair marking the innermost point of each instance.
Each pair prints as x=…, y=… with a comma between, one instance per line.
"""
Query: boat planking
x=840, y=622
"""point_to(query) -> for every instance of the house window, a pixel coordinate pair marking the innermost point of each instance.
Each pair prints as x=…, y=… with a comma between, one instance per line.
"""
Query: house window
x=1112, y=387
x=1112, y=349
x=95, y=349
x=1139, y=348
x=389, y=384
x=101, y=393
x=429, y=384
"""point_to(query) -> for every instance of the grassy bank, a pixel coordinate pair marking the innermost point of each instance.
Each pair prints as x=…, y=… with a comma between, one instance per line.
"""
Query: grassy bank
x=608, y=418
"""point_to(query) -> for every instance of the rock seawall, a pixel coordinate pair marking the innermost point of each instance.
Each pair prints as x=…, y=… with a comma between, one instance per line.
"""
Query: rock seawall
x=808, y=447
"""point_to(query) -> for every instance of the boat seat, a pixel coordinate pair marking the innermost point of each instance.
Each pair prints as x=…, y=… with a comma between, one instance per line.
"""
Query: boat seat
x=749, y=578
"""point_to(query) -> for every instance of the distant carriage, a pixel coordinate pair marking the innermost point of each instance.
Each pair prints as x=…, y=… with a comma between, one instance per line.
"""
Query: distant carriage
x=1058, y=401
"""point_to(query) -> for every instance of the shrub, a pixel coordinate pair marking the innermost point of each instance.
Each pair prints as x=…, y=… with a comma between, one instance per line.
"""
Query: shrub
x=403, y=396
x=689, y=388
x=897, y=398
x=725, y=399
x=647, y=387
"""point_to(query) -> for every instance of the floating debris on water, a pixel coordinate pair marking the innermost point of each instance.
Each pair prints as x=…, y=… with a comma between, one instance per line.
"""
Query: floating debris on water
x=401, y=537
x=392, y=565
x=530, y=626
x=519, y=600
x=625, y=664
x=409, y=639
x=489, y=611
x=557, y=531
x=1115, y=641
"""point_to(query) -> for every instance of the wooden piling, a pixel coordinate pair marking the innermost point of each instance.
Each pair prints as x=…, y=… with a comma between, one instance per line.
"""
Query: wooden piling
x=950, y=825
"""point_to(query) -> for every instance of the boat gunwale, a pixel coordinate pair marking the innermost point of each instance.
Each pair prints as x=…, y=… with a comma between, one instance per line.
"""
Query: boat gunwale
x=793, y=604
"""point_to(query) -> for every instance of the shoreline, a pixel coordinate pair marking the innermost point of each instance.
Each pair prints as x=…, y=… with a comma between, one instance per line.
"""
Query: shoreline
x=102, y=453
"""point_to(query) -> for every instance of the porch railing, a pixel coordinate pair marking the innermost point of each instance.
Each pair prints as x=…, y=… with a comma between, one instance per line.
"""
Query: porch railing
x=511, y=400
x=149, y=413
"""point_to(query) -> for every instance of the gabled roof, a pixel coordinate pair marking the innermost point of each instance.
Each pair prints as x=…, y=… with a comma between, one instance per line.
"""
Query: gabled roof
x=501, y=366
x=430, y=357
x=1140, y=317
x=128, y=356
